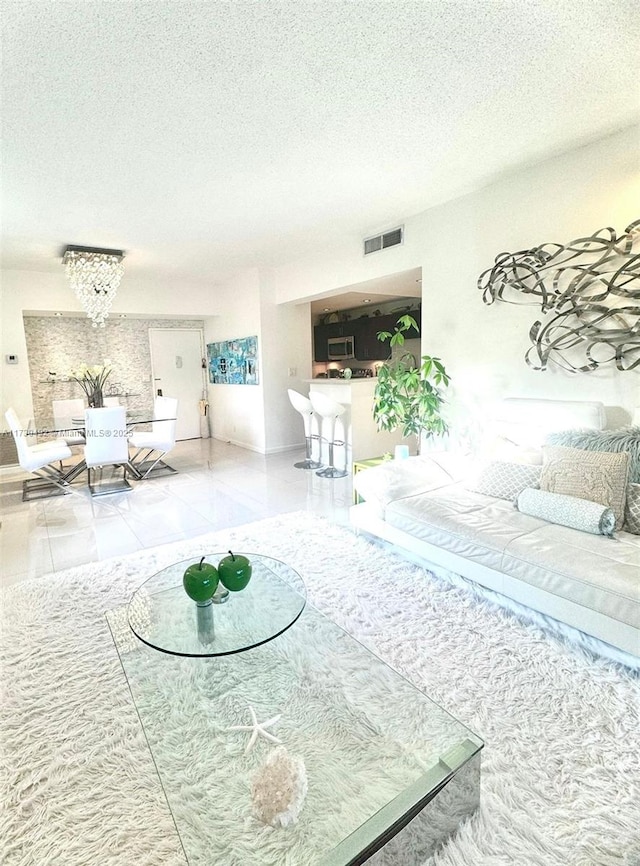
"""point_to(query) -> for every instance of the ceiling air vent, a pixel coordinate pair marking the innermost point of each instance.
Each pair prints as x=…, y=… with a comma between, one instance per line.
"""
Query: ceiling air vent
x=381, y=242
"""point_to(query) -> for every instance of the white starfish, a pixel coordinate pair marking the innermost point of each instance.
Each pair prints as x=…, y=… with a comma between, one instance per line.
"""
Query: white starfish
x=257, y=730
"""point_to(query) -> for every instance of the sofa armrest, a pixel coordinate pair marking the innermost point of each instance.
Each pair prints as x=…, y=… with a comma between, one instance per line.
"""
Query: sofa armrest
x=397, y=479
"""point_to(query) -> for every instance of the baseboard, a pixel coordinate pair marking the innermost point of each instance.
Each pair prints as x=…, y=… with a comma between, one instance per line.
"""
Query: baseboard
x=280, y=449
x=238, y=444
x=283, y=449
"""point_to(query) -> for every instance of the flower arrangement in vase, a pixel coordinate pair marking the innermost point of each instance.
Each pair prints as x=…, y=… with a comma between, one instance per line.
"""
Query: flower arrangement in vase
x=91, y=380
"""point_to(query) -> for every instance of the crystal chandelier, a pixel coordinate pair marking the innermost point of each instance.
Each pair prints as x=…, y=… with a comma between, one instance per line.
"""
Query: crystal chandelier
x=94, y=275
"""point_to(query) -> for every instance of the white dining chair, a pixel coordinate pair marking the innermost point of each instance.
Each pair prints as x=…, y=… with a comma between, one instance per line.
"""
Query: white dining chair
x=64, y=411
x=107, y=445
x=161, y=439
x=39, y=460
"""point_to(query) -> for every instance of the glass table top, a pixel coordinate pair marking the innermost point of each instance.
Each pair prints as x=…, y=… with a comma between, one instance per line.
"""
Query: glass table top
x=49, y=424
x=163, y=616
x=375, y=748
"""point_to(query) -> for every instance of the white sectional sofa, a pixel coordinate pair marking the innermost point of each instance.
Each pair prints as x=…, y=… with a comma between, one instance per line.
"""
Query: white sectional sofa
x=587, y=581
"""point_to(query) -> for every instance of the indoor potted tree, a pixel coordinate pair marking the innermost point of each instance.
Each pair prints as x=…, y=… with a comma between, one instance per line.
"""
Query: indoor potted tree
x=410, y=397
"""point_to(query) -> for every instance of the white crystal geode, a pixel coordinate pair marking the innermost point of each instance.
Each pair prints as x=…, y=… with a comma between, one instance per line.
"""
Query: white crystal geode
x=279, y=788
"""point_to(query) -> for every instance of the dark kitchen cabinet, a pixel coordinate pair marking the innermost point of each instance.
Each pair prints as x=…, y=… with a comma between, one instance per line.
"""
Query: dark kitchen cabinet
x=364, y=331
x=367, y=345
x=322, y=333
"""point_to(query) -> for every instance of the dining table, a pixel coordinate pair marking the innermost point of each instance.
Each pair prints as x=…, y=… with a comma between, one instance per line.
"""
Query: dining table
x=65, y=427
x=48, y=425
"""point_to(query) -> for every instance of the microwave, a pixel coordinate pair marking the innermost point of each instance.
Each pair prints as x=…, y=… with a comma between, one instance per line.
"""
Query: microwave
x=340, y=348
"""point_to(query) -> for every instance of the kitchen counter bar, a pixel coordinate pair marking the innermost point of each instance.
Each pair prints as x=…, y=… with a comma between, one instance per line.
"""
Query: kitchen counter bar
x=355, y=380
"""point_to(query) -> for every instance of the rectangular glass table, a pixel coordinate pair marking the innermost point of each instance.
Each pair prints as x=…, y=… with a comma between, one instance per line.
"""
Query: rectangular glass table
x=45, y=425
x=64, y=427
x=390, y=773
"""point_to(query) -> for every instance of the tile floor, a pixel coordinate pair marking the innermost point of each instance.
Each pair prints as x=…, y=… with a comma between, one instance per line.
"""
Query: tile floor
x=218, y=485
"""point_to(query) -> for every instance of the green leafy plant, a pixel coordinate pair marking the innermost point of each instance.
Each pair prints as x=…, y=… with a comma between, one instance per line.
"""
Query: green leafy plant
x=407, y=397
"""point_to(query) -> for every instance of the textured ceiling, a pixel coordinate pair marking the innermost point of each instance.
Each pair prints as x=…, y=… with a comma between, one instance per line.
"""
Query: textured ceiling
x=202, y=137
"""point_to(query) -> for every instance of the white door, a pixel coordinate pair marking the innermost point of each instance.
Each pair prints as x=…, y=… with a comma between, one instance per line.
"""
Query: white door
x=176, y=366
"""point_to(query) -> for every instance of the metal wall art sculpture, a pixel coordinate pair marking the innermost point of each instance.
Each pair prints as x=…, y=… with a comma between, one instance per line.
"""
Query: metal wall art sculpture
x=589, y=295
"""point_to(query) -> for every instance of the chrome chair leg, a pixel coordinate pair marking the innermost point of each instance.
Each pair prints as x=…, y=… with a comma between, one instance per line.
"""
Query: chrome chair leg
x=145, y=466
x=48, y=483
x=332, y=471
x=308, y=462
x=74, y=471
x=114, y=486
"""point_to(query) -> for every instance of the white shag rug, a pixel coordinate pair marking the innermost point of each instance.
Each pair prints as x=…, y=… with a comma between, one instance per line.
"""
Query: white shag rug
x=560, y=768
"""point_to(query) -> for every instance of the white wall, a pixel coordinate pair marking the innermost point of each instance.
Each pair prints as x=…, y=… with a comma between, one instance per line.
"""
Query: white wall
x=564, y=198
x=236, y=412
x=36, y=291
x=287, y=351
x=331, y=269
x=260, y=417
x=483, y=347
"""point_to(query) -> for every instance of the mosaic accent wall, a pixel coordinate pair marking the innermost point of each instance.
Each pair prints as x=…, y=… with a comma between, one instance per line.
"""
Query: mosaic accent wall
x=60, y=345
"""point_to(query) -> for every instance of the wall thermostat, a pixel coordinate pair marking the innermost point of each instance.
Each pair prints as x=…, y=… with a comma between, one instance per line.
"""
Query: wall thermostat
x=11, y=359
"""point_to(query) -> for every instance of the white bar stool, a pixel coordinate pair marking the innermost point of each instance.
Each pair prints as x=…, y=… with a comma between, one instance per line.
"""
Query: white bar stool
x=303, y=405
x=330, y=410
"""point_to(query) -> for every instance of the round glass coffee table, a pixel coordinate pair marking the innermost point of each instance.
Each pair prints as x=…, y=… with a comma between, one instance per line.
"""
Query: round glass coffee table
x=163, y=616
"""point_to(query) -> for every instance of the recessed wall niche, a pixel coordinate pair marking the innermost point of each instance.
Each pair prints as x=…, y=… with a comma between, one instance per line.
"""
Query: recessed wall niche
x=59, y=345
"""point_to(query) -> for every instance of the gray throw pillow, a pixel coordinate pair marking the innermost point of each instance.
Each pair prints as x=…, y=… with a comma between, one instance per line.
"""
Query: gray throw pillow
x=505, y=480
x=632, y=510
x=567, y=511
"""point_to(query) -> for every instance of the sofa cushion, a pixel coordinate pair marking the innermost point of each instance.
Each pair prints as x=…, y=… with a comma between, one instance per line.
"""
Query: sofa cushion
x=601, y=574
x=504, y=480
x=599, y=476
x=456, y=519
x=567, y=511
x=598, y=573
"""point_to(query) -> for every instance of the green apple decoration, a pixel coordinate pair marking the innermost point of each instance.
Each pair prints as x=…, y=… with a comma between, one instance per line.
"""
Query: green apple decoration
x=234, y=572
x=200, y=581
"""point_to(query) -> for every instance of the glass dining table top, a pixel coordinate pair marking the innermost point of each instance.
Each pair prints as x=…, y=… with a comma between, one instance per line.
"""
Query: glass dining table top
x=48, y=424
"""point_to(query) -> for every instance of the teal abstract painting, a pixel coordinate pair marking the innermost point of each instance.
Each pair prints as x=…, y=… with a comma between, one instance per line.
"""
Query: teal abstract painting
x=233, y=362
